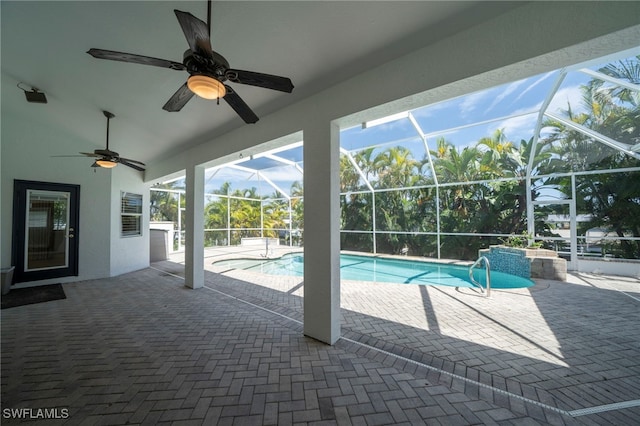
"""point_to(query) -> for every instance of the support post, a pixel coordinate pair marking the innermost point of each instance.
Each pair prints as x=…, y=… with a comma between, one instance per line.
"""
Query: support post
x=322, y=232
x=573, y=224
x=194, y=244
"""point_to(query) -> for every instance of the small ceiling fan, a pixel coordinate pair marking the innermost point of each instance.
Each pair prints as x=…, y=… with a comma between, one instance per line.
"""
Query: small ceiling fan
x=208, y=70
x=109, y=159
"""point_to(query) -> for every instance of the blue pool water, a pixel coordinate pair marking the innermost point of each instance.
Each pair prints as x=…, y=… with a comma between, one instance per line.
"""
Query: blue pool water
x=367, y=268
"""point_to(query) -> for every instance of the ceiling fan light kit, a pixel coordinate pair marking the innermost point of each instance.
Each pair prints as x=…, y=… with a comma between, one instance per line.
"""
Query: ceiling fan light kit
x=206, y=87
x=208, y=70
x=106, y=158
x=107, y=164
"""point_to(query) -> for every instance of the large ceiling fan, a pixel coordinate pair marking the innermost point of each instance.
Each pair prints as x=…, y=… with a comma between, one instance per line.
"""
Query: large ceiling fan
x=109, y=159
x=208, y=70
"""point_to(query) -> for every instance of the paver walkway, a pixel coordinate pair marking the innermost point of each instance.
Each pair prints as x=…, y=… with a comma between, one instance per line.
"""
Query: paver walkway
x=572, y=345
x=143, y=349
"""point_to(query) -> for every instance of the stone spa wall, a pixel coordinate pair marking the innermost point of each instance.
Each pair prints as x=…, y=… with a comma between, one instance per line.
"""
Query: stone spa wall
x=526, y=262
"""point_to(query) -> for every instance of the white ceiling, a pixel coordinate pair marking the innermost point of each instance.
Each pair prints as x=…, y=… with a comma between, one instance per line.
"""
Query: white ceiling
x=316, y=44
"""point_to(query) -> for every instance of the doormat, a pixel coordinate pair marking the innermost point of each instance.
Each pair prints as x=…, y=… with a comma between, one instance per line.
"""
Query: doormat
x=30, y=295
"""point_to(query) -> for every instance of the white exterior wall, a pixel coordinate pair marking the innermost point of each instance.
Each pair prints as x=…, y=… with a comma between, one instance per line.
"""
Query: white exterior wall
x=25, y=157
x=624, y=268
x=128, y=253
x=102, y=252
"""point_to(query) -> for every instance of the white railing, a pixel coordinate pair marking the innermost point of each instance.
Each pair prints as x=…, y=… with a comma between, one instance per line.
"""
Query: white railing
x=487, y=265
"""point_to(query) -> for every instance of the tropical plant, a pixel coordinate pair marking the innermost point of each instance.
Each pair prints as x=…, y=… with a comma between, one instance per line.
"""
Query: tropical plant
x=164, y=205
x=613, y=200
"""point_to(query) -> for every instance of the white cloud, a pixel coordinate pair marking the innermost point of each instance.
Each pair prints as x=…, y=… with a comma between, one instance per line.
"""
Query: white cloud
x=392, y=125
x=508, y=90
x=431, y=110
x=567, y=96
x=283, y=174
x=534, y=84
x=470, y=102
x=517, y=128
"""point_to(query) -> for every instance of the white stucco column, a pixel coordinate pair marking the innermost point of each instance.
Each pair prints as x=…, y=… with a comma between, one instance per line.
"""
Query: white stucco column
x=322, y=232
x=194, y=244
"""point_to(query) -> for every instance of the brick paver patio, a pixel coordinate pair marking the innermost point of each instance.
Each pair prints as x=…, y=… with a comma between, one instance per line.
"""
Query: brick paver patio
x=143, y=349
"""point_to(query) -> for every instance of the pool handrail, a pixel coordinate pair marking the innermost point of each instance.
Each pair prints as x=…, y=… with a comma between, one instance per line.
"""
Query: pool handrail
x=487, y=265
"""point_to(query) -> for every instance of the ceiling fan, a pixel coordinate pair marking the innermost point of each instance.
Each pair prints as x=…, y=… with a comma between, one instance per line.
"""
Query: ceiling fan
x=208, y=70
x=109, y=159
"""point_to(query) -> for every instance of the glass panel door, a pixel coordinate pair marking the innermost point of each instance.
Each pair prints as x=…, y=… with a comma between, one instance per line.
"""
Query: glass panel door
x=45, y=241
x=47, y=232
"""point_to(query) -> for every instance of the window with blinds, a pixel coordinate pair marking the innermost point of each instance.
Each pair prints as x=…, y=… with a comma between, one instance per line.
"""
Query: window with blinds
x=131, y=214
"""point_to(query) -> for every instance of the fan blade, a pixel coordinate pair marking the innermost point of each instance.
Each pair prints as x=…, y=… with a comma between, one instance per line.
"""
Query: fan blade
x=196, y=33
x=136, y=59
x=179, y=99
x=70, y=156
x=90, y=154
x=128, y=164
x=129, y=160
x=105, y=153
x=267, y=81
x=239, y=106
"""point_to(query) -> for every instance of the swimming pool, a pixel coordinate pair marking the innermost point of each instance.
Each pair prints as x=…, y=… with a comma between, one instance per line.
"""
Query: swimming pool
x=368, y=268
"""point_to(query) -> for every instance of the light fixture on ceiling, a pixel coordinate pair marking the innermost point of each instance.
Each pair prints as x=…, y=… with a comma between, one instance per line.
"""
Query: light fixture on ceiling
x=34, y=95
x=206, y=87
x=107, y=164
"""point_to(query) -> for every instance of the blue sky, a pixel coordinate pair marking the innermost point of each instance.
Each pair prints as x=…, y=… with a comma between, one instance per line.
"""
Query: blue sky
x=520, y=101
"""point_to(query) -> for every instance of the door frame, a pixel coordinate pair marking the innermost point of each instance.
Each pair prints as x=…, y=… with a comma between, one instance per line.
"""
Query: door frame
x=20, y=188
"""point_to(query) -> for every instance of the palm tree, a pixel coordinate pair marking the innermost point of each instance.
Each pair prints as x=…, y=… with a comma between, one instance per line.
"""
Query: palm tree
x=275, y=213
x=297, y=211
x=497, y=152
x=355, y=206
x=366, y=161
x=349, y=176
x=164, y=206
x=396, y=168
x=452, y=165
x=216, y=216
x=629, y=70
x=245, y=212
